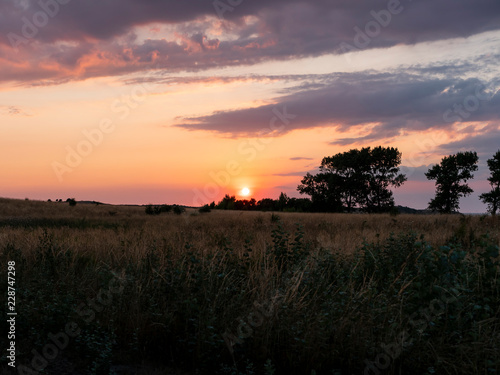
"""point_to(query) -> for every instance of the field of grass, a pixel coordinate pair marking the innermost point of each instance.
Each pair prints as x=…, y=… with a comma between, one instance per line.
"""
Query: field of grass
x=230, y=292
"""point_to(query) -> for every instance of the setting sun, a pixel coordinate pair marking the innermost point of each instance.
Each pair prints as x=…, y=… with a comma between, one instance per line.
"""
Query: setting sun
x=228, y=173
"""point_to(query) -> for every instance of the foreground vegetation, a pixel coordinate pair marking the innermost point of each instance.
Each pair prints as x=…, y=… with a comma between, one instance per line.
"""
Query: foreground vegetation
x=229, y=292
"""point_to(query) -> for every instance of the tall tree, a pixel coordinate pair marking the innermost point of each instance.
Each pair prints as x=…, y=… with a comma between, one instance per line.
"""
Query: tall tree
x=344, y=172
x=322, y=190
x=381, y=171
x=283, y=201
x=356, y=178
x=451, y=177
x=227, y=203
x=492, y=198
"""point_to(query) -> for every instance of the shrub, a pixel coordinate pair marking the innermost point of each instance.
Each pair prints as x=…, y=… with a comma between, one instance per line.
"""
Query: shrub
x=275, y=218
x=165, y=208
x=178, y=210
x=153, y=210
x=205, y=208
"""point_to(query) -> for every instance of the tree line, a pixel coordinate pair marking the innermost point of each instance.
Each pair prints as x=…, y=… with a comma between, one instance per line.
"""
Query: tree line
x=361, y=180
x=283, y=203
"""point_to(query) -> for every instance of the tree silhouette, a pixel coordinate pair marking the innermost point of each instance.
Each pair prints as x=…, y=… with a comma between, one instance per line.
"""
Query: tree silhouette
x=451, y=177
x=227, y=203
x=71, y=201
x=283, y=201
x=323, y=190
x=380, y=171
x=356, y=178
x=492, y=198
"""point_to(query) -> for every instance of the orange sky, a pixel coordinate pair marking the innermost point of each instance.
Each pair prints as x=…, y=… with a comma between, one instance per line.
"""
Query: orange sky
x=91, y=132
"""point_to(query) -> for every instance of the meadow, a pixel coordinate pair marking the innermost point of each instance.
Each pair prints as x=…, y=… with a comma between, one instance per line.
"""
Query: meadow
x=232, y=292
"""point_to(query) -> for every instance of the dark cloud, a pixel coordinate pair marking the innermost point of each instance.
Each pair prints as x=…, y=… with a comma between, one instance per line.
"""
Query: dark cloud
x=306, y=25
x=415, y=173
x=300, y=158
x=103, y=33
x=289, y=174
x=485, y=142
x=391, y=105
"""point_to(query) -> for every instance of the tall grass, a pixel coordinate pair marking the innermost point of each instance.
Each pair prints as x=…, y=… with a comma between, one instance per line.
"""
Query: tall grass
x=241, y=293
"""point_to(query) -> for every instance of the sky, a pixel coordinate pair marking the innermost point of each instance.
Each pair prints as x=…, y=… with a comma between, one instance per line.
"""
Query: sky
x=146, y=101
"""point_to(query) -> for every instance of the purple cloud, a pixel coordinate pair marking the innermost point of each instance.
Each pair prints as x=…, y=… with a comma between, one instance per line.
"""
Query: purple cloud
x=103, y=33
x=391, y=104
x=300, y=158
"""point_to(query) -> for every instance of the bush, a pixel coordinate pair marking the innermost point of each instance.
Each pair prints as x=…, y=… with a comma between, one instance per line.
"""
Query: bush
x=153, y=210
x=165, y=208
x=71, y=201
x=156, y=210
x=204, y=209
x=178, y=210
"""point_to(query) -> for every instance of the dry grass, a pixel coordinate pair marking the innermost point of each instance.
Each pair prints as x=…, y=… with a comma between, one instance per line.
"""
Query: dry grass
x=190, y=276
x=338, y=232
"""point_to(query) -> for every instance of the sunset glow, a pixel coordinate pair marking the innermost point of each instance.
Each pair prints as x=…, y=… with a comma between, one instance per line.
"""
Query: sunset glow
x=170, y=103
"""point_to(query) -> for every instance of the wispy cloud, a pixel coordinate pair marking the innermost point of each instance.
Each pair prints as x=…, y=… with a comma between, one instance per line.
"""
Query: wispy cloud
x=289, y=174
x=486, y=142
x=300, y=158
x=14, y=111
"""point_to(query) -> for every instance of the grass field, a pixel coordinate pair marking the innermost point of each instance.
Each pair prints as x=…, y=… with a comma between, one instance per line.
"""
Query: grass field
x=230, y=292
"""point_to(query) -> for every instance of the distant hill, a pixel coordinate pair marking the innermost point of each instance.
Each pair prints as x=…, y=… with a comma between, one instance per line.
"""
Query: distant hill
x=93, y=202
x=401, y=209
x=409, y=210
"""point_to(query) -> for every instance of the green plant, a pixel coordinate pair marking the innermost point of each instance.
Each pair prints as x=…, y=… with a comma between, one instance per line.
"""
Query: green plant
x=269, y=368
x=188, y=283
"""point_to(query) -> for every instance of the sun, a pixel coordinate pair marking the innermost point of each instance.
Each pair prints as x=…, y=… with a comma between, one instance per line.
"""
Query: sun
x=245, y=192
